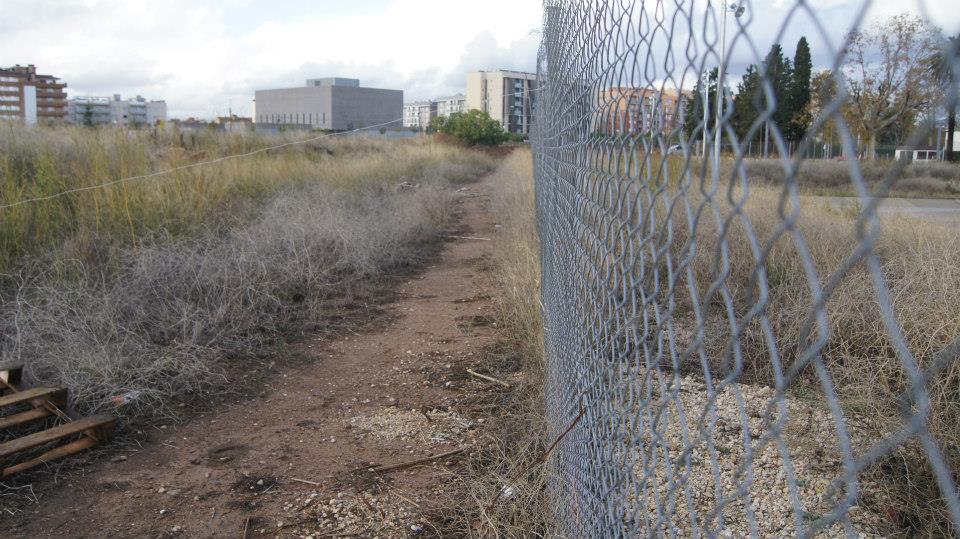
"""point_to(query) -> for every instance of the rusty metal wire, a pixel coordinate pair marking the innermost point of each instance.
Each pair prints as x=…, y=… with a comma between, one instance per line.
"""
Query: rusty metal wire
x=690, y=312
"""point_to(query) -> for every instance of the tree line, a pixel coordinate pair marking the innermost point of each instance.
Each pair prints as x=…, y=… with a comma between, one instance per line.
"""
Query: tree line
x=895, y=79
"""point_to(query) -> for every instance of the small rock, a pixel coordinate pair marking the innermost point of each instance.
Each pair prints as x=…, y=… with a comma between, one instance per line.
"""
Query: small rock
x=119, y=458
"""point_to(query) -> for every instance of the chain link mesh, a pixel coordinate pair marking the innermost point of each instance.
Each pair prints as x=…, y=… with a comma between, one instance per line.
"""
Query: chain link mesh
x=711, y=338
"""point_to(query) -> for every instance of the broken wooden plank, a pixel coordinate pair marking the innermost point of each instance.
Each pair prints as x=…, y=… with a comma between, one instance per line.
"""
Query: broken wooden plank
x=417, y=462
x=488, y=378
x=23, y=417
x=36, y=396
x=54, y=454
x=98, y=427
x=11, y=373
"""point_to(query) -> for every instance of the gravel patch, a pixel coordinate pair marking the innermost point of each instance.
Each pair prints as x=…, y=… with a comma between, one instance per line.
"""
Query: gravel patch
x=350, y=514
x=434, y=426
x=734, y=465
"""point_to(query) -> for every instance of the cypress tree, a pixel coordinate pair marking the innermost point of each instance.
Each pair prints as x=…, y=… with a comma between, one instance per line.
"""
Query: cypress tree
x=748, y=105
x=800, y=91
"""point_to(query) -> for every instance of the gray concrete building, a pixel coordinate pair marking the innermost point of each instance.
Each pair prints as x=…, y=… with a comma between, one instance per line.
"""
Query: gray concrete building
x=507, y=96
x=329, y=103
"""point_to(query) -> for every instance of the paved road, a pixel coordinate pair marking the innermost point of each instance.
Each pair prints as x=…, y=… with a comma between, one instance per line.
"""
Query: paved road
x=934, y=210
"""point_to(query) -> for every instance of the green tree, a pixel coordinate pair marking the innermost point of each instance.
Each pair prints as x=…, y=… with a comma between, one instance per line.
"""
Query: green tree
x=88, y=115
x=694, y=111
x=779, y=73
x=941, y=65
x=473, y=127
x=887, y=76
x=800, y=91
x=749, y=104
x=823, y=91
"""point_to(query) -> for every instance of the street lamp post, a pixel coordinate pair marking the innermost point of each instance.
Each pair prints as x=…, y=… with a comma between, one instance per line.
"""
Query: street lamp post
x=737, y=10
x=704, y=81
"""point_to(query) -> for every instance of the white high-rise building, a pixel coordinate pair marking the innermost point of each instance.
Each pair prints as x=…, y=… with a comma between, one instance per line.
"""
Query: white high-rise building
x=507, y=96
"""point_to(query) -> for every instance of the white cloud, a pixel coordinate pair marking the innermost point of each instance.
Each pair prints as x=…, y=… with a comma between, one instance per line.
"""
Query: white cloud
x=189, y=53
x=182, y=51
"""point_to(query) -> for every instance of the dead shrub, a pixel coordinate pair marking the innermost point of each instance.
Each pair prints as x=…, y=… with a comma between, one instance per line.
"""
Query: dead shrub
x=161, y=317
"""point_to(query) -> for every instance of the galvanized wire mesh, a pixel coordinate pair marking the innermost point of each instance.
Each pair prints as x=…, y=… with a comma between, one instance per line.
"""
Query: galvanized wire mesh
x=699, y=321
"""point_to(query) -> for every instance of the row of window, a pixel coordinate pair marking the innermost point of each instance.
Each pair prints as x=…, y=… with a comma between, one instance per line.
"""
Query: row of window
x=9, y=79
x=10, y=107
x=10, y=89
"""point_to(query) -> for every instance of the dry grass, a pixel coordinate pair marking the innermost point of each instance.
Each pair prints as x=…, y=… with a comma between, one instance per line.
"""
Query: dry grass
x=39, y=162
x=920, y=264
x=515, y=437
x=820, y=177
x=220, y=267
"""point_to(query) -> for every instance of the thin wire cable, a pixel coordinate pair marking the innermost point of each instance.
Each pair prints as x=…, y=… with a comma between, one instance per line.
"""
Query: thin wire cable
x=185, y=167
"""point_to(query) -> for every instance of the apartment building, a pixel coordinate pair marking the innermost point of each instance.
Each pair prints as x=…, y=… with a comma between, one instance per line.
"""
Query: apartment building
x=31, y=98
x=632, y=111
x=93, y=110
x=450, y=104
x=417, y=115
x=89, y=110
x=333, y=103
x=507, y=96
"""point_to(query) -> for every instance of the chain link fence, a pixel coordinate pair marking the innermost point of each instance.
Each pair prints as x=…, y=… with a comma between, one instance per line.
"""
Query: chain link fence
x=730, y=353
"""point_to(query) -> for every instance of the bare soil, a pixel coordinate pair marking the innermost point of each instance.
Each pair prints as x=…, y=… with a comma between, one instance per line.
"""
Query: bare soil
x=292, y=456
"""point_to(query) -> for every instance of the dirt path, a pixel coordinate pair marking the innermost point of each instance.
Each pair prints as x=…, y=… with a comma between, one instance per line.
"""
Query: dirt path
x=383, y=397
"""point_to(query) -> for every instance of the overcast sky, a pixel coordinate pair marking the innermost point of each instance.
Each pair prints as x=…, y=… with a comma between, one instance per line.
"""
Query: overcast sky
x=205, y=56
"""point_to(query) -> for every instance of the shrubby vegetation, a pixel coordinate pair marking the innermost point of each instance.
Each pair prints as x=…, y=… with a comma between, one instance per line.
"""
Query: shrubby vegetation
x=474, y=127
x=155, y=286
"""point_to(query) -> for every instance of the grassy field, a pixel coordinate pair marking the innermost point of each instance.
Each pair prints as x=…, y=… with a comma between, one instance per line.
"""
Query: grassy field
x=833, y=178
x=920, y=263
x=154, y=287
x=39, y=162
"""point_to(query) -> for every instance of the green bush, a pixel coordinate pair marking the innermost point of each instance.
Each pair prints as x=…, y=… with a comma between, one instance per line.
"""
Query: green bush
x=473, y=127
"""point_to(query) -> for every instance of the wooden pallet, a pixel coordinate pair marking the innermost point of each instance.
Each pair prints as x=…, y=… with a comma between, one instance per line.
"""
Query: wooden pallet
x=44, y=402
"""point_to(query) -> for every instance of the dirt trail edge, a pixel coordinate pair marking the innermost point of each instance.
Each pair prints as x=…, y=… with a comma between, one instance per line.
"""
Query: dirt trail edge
x=295, y=460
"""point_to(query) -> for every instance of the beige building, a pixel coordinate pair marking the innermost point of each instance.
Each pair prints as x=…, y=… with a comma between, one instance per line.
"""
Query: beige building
x=507, y=96
x=633, y=111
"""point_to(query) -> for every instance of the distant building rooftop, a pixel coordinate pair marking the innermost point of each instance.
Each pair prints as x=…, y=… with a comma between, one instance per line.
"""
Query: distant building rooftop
x=334, y=81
